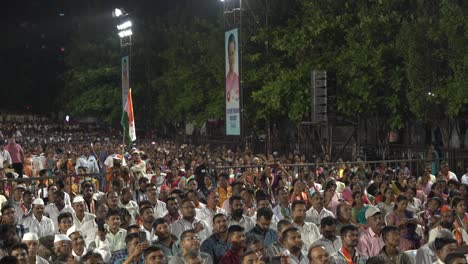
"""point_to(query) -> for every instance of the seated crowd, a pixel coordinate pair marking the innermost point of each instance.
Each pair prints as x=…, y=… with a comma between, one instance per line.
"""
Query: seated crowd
x=169, y=203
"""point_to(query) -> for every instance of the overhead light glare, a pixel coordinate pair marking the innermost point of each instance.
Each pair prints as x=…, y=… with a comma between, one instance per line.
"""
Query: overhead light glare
x=125, y=25
x=125, y=33
x=117, y=12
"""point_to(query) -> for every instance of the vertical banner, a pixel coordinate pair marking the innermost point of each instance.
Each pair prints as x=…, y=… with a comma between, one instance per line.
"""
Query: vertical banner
x=125, y=80
x=232, y=83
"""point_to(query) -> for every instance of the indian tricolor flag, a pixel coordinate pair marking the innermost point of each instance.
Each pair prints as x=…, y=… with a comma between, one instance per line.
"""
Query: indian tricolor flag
x=128, y=121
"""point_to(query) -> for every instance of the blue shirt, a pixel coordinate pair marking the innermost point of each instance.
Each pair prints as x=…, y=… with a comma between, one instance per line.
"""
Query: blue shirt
x=268, y=237
x=215, y=247
x=120, y=254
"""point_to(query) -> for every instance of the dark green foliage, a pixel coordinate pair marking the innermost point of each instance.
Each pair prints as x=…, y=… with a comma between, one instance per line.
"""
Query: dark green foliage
x=387, y=55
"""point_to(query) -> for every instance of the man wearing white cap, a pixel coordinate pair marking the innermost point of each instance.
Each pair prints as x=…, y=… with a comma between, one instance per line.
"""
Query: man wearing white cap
x=32, y=241
x=37, y=222
x=371, y=242
x=62, y=249
x=80, y=216
x=17, y=195
x=79, y=248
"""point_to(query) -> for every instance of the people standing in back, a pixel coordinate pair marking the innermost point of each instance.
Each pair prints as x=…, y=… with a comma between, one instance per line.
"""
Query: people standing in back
x=87, y=160
x=5, y=157
x=17, y=156
x=224, y=190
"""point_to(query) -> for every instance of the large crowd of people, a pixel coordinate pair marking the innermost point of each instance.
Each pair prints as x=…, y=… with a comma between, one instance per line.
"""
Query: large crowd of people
x=74, y=195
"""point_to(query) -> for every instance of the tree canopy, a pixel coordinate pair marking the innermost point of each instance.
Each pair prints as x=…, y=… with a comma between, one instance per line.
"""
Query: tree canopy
x=396, y=60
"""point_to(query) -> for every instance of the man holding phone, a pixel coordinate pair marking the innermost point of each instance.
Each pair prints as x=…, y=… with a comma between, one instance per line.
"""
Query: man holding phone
x=136, y=244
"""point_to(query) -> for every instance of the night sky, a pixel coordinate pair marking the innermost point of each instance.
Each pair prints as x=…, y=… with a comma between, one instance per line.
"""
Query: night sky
x=34, y=46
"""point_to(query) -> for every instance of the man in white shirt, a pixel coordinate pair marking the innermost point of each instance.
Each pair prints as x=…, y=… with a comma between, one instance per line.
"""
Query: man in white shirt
x=37, y=222
x=464, y=178
x=293, y=241
x=189, y=221
x=262, y=201
x=444, y=170
x=5, y=158
x=32, y=241
x=129, y=204
x=80, y=216
x=283, y=209
x=317, y=212
x=114, y=236
x=78, y=245
x=57, y=206
x=237, y=217
x=88, y=161
x=38, y=163
x=62, y=249
x=147, y=219
x=90, y=228
x=158, y=205
x=52, y=188
x=309, y=231
x=206, y=214
x=329, y=239
x=193, y=195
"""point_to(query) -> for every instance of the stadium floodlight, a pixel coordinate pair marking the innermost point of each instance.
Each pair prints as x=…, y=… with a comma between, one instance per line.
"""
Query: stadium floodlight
x=117, y=12
x=125, y=25
x=125, y=33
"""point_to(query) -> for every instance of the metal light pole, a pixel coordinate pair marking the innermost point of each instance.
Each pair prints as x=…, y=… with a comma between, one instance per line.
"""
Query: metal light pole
x=124, y=27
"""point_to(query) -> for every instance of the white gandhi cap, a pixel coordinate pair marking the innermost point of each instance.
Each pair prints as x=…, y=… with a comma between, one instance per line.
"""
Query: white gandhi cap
x=30, y=237
x=38, y=201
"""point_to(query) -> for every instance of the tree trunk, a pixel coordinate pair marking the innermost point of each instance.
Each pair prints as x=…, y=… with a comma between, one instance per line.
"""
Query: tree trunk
x=461, y=131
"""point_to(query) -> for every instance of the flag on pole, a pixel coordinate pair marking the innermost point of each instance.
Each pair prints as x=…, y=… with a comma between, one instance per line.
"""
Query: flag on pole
x=128, y=121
